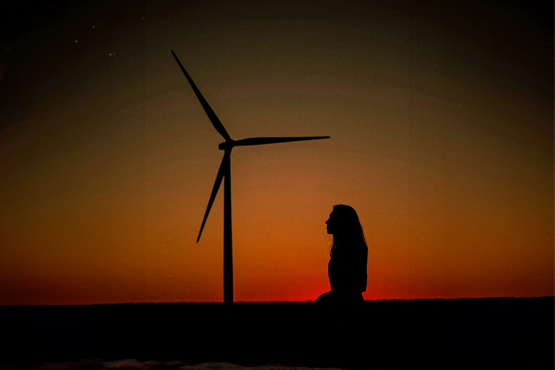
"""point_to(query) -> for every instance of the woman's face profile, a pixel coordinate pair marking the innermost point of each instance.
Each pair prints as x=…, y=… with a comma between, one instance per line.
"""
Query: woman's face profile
x=331, y=224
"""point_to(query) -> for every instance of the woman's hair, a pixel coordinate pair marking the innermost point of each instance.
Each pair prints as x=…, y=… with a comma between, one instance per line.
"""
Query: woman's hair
x=348, y=231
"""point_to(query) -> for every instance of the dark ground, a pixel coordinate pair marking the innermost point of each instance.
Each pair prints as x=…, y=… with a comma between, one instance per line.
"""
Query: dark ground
x=504, y=333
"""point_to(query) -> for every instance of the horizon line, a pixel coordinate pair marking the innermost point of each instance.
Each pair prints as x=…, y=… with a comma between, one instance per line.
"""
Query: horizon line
x=267, y=302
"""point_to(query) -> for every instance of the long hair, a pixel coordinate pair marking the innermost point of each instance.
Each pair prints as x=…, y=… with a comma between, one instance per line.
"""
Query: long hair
x=349, y=232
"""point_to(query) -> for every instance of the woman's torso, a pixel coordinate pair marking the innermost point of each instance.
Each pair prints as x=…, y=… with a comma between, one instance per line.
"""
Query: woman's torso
x=347, y=269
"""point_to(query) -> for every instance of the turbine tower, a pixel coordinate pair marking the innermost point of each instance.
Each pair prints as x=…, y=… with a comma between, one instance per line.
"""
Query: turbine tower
x=225, y=172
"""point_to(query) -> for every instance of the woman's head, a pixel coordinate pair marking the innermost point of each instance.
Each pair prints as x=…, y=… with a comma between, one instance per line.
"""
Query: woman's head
x=343, y=220
x=345, y=227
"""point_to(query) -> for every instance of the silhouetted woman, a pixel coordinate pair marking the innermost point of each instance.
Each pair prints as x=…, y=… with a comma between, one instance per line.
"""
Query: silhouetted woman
x=347, y=266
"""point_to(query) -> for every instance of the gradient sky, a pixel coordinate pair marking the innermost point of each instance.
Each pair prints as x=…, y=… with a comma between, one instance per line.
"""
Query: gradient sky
x=441, y=122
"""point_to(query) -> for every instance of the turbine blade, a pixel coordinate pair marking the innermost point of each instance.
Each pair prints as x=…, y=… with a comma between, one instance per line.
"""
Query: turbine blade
x=217, y=183
x=209, y=112
x=273, y=140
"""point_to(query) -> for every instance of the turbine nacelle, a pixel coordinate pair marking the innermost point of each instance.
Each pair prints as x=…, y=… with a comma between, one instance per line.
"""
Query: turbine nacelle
x=227, y=145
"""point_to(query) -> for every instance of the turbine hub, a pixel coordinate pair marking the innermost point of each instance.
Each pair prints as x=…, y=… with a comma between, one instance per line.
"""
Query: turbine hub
x=227, y=145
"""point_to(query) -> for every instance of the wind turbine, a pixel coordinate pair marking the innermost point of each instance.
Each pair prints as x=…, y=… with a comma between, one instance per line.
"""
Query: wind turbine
x=225, y=172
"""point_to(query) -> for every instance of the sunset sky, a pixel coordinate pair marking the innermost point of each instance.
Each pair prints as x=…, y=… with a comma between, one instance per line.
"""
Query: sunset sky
x=441, y=122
